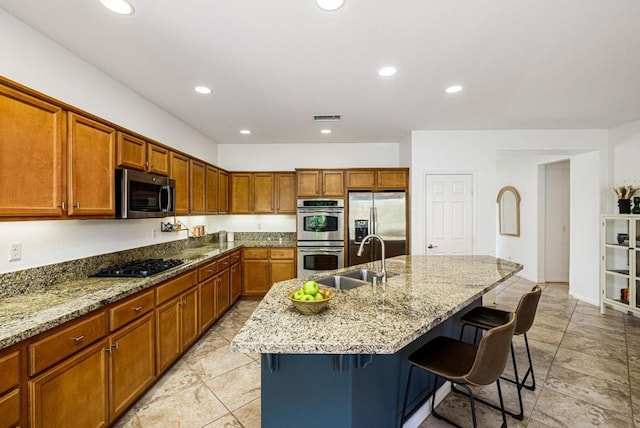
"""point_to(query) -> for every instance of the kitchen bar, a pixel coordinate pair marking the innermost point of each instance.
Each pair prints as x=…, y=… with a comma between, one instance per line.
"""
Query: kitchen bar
x=347, y=366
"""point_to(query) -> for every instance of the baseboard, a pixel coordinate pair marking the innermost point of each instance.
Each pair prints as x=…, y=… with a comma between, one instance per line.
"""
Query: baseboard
x=425, y=410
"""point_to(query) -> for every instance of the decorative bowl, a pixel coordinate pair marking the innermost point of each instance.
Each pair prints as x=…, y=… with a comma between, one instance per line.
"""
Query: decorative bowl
x=311, y=307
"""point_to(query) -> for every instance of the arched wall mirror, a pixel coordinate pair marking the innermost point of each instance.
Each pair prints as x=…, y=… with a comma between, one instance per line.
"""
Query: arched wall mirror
x=509, y=211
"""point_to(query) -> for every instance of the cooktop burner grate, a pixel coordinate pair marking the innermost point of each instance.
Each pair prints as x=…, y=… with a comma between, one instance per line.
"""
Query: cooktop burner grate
x=139, y=268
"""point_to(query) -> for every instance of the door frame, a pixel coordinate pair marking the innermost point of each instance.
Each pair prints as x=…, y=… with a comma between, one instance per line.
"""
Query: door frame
x=474, y=206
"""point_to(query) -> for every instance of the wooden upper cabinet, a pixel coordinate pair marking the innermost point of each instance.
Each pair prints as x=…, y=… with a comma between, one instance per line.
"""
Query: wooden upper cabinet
x=91, y=165
x=211, y=189
x=240, y=192
x=131, y=152
x=327, y=183
x=197, y=187
x=180, y=173
x=377, y=179
x=157, y=159
x=32, y=140
x=263, y=193
x=223, y=192
x=285, y=185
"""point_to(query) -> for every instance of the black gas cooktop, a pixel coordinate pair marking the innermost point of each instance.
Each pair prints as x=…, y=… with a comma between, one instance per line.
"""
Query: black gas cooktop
x=139, y=268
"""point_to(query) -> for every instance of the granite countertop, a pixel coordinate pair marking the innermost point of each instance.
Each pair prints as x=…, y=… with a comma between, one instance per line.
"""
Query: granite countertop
x=423, y=291
x=25, y=315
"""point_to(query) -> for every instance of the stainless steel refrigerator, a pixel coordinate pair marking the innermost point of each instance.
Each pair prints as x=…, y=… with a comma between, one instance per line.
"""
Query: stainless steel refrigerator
x=382, y=213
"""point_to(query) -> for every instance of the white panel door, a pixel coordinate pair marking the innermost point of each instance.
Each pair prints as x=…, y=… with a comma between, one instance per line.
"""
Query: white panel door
x=449, y=214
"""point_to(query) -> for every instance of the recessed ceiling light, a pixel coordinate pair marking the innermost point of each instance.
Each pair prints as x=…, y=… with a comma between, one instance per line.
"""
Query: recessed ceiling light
x=122, y=7
x=453, y=89
x=326, y=131
x=202, y=90
x=245, y=131
x=330, y=5
x=387, y=71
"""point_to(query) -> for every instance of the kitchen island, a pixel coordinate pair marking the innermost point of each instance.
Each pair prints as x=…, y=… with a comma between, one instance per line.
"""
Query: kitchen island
x=347, y=366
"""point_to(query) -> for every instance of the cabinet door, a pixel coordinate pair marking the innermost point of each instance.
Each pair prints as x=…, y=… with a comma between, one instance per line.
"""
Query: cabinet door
x=91, y=164
x=392, y=179
x=131, y=364
x=281, y=270
x=157, y=159
x=197, y=187
x=32, y=144
x=333, y=184
x=10, y=409
x=189, y=321
x=255, y=277
x=211, y=185
x=167, y=333
x=240, y=193
x=180, y=173
x=263, y=193
x=285, y=193
x=361, y=179
x=207, y=301
x=131, y=152
x=236, y=281
x=223, y=192
x=73, y=393
x=308, y=183
x=223, y=292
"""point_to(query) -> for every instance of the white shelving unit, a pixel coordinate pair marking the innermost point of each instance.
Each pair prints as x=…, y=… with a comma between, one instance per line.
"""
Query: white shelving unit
x=620, y=263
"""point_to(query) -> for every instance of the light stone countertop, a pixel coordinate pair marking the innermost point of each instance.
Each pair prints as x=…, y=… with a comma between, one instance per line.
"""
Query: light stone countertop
x=25, y=315
x=424, y=291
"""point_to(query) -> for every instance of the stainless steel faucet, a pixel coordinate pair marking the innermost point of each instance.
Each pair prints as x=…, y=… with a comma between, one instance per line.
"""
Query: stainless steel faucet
x=383, y=273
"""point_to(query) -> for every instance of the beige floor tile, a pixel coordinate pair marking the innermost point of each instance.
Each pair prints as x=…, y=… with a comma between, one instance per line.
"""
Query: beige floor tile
x=229, y=325
x=246, y=307
x=238, y=386
x=176, y=379
x=599, y=367
x=192, y=407
x=543, y=334
x=227, y=421
x=210, y=363
x=592, y=331
x=593, y=390
x=128, y=420
x=559, y=410
x=593, y=310
x=609, y=324
x=457, y=408
x=249, y=414
x=597, y=348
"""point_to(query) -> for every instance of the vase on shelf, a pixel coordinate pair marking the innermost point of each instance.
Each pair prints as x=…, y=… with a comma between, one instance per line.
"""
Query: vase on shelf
x=624, y=206
x=636, y=205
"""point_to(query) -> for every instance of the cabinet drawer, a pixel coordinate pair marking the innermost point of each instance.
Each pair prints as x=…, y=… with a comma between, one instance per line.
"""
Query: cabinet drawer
x=223, y=263
x=57, y=346
x=10, y=369
x=129, y=310
x=235, y=257
x=256, y=253
x=10, y=409
x=175, y=286
x=207, y=271
x=282, y=253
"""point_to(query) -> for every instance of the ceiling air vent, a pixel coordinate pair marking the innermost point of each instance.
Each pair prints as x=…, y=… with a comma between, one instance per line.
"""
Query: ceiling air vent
x=327, y=117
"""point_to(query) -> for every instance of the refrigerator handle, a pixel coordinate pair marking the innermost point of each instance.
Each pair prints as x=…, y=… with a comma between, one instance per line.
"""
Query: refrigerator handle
x=372, y=218
x=375, y=220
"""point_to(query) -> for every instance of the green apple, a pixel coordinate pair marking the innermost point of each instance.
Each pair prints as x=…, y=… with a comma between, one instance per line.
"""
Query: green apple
x=308, y=298
x=319, y=296
x=310, y=287
x=298, y=294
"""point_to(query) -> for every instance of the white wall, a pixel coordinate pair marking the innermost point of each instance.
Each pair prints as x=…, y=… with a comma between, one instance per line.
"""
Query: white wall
x=35, y=61
x=625, y=155
x=287, y=157
x=556, y=221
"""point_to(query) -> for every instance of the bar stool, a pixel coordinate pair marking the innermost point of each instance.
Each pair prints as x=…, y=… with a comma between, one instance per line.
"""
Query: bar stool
x=464, y=364
x=486, y=318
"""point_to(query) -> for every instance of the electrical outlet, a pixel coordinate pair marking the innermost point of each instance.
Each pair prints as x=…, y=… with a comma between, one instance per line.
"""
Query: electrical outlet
x=153, y=234
x=15, y=251
x=259, y=226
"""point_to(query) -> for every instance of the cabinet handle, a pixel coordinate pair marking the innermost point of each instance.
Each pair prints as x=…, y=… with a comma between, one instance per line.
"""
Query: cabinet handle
x=61, y=206
x=137, y=308
x=116, y=345
x=76, y=205
x=110, y=348
x=78, y=339
x=210, y=270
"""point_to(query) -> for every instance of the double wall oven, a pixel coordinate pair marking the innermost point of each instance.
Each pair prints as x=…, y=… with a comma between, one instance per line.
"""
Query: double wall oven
x=320, y=234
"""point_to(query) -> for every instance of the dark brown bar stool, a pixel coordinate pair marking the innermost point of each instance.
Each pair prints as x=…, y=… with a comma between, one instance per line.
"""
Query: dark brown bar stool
x=464, y=364
x=486, y=318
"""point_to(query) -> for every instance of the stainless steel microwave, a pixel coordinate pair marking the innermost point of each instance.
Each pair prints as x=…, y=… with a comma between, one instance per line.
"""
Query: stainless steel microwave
x=140, y=195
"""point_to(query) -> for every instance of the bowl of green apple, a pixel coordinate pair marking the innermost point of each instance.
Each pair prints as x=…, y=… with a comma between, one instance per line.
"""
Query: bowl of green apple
x=310, y=299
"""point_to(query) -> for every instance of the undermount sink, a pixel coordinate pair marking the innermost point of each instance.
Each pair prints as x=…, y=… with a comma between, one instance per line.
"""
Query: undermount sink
x=351, y=279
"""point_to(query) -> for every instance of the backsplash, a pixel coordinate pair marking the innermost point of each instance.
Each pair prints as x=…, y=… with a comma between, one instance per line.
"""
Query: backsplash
x=41, y=277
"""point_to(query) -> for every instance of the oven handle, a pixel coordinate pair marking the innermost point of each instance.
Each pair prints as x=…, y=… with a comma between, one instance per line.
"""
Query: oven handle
x=320, y=251
x=323, y=210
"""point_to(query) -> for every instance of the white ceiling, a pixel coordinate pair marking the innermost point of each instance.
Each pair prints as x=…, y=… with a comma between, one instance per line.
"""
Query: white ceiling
x=273, y=64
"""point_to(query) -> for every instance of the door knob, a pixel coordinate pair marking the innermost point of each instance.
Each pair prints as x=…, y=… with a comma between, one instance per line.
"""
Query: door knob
x=430, y=246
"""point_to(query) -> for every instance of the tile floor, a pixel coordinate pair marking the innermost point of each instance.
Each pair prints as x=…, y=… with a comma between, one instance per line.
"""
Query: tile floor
x=587, y=369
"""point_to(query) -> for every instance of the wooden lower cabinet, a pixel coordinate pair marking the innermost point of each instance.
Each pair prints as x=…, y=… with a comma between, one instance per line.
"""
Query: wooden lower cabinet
x=223, y=292
x=281, y=270
x=177, y=325
x=207, y=295
x=261, y=267
x=236, y=281
x=131, y=363
x=255, y=277
x=10, y=409
x=73, y=393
